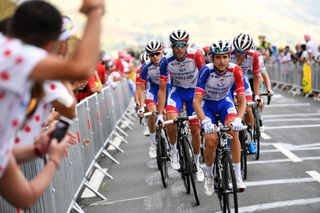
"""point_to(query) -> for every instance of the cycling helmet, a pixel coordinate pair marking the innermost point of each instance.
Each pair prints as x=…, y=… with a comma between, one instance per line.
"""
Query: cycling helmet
x=178, y=36
x=153, y=46
x=242, y=42
x=143, y=57
x=220, y=47
x=68, y=28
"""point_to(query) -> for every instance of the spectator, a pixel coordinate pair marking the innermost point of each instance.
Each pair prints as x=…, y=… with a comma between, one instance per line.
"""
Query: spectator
x=296, y=57
x=92, y=85
x=286, y=56
x=36, y=23
x=311, y=48
x=304, y=55
x=119, y=62
x=317, y=58
x=101, y=69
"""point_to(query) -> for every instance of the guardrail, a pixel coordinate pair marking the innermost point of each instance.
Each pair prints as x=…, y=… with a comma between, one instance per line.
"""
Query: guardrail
x=291, y=75
x=99, y=120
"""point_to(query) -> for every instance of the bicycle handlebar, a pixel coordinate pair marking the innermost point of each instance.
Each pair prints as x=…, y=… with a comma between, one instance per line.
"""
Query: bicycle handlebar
x=179, y=119
x=269, y=97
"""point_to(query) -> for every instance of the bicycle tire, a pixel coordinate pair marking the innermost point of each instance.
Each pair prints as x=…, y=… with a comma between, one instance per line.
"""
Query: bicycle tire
x=158, y=158
x=229, y=186
x=257, y=135
x=191, y=168
x=243, y=160
x=164, y=161
x=182, y=169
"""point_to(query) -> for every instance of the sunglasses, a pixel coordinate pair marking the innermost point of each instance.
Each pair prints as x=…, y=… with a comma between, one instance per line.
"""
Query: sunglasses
x=154, y=54
x=240, y=51
x=180, y=44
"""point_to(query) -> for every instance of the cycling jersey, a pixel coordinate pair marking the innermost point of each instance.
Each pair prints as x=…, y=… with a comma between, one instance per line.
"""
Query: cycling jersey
x=151, y=72
x=185, y=72
x=215, y=86
x=250, y=65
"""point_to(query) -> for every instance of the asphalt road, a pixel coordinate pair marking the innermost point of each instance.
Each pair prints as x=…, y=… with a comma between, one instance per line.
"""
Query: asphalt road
x=285, y=179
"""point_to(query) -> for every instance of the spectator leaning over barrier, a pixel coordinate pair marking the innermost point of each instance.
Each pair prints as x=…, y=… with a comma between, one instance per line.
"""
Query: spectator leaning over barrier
x=92, y=86
x=296, y=57
x=37, y=24
x=101, y=68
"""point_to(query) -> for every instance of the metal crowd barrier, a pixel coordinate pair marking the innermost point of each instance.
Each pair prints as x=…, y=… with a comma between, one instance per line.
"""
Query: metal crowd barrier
x=100, y=118
x=290, y=74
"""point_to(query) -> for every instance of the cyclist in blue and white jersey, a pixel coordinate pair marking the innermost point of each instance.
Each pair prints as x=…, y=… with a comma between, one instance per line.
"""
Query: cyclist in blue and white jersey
x=149, y=80
x=183, y=65
x=212, y=98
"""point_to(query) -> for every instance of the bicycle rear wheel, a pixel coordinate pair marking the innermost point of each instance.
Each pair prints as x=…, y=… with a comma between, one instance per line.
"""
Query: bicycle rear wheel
x=191, y=168
x=229, y=186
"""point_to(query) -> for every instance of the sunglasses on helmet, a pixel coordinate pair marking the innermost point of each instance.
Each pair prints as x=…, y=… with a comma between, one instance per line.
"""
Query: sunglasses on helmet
x=179, y=44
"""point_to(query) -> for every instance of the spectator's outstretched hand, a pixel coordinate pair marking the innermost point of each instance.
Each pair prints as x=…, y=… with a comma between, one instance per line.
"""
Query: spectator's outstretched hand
x=90, y=5
x=57, y=150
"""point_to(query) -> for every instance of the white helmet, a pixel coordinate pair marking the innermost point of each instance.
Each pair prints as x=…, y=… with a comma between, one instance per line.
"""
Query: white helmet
x=242, y=42
x=220, y=47
x=143, y=57
x=179, y=35
x=153, y=46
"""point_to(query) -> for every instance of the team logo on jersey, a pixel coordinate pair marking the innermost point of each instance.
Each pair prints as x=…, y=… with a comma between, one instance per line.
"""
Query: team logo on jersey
x=221, y=82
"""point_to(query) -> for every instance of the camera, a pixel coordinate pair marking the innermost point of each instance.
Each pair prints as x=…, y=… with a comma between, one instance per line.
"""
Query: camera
x=61, y=129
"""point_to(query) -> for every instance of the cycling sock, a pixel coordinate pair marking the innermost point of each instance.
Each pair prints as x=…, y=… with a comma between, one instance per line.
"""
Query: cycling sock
x=237, y=171
x=152, y=138
x=174, y=147
x=209, y=171
x=196, y=158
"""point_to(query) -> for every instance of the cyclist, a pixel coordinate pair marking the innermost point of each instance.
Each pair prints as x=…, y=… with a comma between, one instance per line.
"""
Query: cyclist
x=265, y=85
x=150, y=73
x=248, y=60
x=143, y=58
x=183, y=65
x=211, y=98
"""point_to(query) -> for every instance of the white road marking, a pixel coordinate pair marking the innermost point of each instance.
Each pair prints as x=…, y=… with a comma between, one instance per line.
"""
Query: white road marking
x=95, y=183
x=314, y=174
x=292, y=126
x=288, y=105
x=102, y=203
x=265, y=136
x=279, y=181
x=291, y=115
x=292, y=119
x=287, y=153
x=297, y=149
x=281, y=160
x=279, y=204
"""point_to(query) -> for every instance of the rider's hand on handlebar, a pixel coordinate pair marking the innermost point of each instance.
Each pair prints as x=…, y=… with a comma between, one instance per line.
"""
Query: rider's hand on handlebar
x=237, y=124
x=140, y=112
x=159, y=119
x=208, y=126
x=270, y=92
x=137, y=107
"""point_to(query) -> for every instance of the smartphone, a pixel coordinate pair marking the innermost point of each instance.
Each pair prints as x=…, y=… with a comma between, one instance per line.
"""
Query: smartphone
x=61, y=129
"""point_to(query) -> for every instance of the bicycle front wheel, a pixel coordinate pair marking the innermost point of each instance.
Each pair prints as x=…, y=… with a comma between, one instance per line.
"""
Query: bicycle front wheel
x=229, y=186
x=243, y=142
x=257, y=134
x=164, y=161
x=191, y=168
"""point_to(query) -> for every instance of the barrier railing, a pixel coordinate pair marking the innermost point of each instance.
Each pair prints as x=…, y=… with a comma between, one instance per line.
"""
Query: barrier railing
x=99, y=119
x=290, y=74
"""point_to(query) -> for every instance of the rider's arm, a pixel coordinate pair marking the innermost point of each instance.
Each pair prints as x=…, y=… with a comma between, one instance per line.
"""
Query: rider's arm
x=266, y=80
x=163, y=86
x=143, y=83
x=239, y=82
x=199, y=59
x=256, y=74
x=204, y=74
